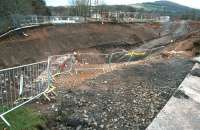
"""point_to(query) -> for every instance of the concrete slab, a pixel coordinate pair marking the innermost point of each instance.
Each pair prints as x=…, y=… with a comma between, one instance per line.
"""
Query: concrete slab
x=178, y=114
x=182, y=112
x=191, y=87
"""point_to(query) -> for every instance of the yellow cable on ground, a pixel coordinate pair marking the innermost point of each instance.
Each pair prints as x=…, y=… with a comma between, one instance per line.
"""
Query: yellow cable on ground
x=135, y=53
x=49, y=90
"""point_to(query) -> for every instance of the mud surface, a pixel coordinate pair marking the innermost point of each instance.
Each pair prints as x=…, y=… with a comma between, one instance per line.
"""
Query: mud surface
x=128, y=98
x=51, y=40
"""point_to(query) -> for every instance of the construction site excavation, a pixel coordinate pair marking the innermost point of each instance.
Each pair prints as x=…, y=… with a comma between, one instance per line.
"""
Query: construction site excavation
x=80, y=73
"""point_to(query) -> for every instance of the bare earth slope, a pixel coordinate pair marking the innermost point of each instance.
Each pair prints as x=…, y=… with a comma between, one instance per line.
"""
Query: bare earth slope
x=51, y=40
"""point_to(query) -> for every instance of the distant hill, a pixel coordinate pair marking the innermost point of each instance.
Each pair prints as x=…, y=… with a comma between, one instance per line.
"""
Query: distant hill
x=167, y=8
x=159, y=7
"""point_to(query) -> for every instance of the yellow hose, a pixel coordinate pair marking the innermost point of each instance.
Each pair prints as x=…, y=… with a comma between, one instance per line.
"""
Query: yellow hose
x=135, y=53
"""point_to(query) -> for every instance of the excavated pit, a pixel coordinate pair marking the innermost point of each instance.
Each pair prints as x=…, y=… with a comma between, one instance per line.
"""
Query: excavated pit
x=51, y=40
x=127, y=97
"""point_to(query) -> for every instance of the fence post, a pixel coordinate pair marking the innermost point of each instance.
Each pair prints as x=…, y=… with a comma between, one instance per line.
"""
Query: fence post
x=50, y=87
x=21, y=85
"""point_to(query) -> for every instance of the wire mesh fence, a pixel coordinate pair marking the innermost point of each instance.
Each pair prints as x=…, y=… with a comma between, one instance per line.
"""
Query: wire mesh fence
x=20, y=20
x=73, y=63
x=60, y=64
x=71, y=69
x=50, y=20
x=17, y=22
x=91, y=62
x=80, y=62
x=21, y=84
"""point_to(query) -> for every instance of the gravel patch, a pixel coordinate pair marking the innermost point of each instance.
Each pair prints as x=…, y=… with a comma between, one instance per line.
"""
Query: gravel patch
x=125, y=99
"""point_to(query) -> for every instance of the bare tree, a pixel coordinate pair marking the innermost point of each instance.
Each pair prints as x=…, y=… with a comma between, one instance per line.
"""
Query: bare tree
x=82, y=7
x=85, y=7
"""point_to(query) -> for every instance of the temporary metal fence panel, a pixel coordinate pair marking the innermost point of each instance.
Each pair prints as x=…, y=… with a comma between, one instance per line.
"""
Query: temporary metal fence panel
x=79, y=62
x=70, y=69
x=39, y=20
x=60, y=64
x=21, y=22
x=91, y=62
x=20, y=85
x=70, y=63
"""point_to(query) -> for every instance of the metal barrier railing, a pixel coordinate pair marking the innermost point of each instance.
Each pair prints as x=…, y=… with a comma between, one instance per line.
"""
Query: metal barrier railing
x=22, y=22
x=60, y=64
x=35, y=20
x=71, y=70
x=72, y=63
x=20, y=85
x=91, y=62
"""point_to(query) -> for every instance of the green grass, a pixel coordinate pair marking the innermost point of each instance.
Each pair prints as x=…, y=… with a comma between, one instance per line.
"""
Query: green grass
x=23, y=118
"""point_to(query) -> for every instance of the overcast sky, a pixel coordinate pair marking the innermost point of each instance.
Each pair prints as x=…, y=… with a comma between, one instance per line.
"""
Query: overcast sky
x=190, y=3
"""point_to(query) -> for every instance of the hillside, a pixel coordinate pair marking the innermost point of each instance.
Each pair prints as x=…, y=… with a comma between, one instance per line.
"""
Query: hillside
x=167, y=8
x=158, y=7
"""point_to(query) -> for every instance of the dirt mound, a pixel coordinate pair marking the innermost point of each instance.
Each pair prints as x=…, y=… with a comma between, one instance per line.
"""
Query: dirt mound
x=51, y=40
x=189, y=48
x=194, y=25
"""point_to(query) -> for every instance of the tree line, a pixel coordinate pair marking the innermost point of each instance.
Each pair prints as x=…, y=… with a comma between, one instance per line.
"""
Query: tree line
x=88, y=7
x=10, y=9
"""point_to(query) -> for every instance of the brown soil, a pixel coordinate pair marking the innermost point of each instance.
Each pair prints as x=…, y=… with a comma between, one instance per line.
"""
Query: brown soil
x=51, y=40
x=189, y=47
x=194, y=25
x=74, y=81
x=130, y=96
x=153, y=25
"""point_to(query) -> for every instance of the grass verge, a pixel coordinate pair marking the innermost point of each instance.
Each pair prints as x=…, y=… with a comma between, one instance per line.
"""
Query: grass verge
x=23, y=118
